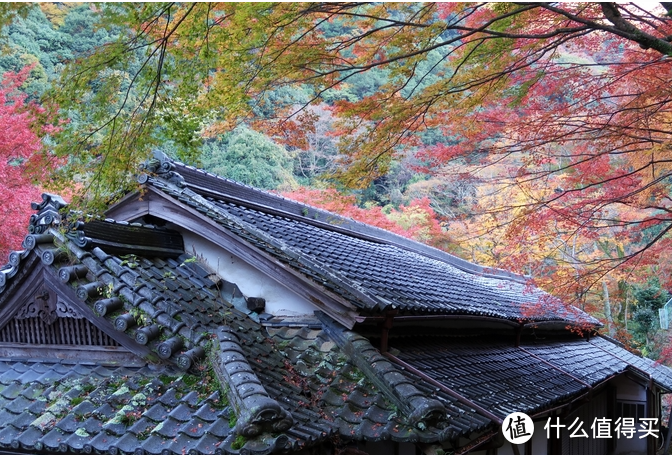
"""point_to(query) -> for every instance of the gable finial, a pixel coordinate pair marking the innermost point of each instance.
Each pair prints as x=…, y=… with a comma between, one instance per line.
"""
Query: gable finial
x=161, y=165
x=47, y=213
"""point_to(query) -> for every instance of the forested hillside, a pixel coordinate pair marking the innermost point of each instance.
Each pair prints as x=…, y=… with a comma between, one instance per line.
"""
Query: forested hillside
x=532, y=138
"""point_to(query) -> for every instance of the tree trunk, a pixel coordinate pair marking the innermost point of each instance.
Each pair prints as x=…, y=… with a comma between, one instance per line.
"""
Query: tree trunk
x=607, y=309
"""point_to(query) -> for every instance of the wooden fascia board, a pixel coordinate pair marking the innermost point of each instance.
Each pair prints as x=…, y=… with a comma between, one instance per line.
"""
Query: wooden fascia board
x=130, y=207
x=105, y=355
x=165, y=207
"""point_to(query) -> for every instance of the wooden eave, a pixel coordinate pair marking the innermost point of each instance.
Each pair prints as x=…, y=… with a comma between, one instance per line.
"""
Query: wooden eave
x=24, y=286
x=158, y=204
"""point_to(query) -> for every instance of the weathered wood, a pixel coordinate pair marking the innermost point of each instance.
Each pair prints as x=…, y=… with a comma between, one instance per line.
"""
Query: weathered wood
x=21, y=288
x=104, y=354
x=129, y=208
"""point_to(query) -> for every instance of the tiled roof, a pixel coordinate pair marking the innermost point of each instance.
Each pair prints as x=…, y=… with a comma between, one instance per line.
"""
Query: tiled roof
x=530, y=378
x=47, y=406
x=658, y=372
x=496, y=376
x=221, y=382
x=374, y=271
x=289, y=389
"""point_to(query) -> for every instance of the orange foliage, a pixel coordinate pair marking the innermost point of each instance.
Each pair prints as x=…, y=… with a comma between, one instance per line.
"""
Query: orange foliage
x=416, y=221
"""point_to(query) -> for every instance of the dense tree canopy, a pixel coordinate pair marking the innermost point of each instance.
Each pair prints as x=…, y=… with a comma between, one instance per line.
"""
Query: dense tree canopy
x=21, y=128
x=249, y=157
x=543, y=127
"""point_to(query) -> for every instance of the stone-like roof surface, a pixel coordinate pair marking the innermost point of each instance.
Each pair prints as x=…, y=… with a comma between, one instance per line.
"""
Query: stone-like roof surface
x=375, y=271
x=530, y=378
x=219, y=381
x=219, y=375
x=47, y=406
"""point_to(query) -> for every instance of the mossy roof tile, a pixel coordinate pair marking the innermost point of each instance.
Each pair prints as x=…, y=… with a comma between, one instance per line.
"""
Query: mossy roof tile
x=306, y=372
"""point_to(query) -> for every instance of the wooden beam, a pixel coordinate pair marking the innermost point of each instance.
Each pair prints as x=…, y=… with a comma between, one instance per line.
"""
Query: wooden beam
x=130, y=207
x=103, y=354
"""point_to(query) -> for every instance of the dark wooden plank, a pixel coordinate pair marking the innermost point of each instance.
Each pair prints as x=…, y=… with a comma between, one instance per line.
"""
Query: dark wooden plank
x=104, y=354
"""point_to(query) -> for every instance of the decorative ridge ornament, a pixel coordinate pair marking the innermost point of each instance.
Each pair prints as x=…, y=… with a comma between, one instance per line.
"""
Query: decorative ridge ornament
x=161, y=166
x=77, y=236
x=47, y=213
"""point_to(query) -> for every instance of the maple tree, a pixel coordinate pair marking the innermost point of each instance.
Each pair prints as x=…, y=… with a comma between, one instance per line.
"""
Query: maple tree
x=568, y=102
x=21, y=127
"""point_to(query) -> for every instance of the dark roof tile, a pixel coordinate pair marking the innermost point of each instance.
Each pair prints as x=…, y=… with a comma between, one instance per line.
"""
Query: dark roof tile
x=53, y=439
x=181, y=413
x=103, y=441
x=11, y=391
x=207, y=413
x=114, y=427
x=18, y=405
x=128, y=443
x=154, y=444
x=219, y=428
x=142, y=425
x=158, y=412
x=29, y=439
x=10, y=376
x=207, y=444
x=168, y=428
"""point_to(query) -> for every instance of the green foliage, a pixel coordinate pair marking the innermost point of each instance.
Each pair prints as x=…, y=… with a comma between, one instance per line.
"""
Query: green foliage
x=651, y=295
x=644, y=327
x=32, y=38
x=239, y=442
x=249, y=157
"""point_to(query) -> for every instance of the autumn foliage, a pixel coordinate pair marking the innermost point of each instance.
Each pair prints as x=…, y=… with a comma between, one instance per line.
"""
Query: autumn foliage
x=21, y=127
x=548, y=123
x=416, y=221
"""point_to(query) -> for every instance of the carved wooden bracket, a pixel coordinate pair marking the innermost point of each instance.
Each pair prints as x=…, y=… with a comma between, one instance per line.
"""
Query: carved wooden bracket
x=46, y=305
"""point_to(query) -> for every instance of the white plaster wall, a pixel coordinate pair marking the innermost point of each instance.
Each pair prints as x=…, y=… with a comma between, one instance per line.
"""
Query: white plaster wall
x=280, y=301
x=629, y=390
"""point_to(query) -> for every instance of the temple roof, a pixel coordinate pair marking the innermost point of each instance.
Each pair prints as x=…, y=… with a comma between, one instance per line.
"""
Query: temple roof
x=114, y=340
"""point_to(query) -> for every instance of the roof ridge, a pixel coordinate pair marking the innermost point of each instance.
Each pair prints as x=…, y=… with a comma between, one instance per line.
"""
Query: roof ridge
x=257, y=411
x=384, y=374
x=167, y=168
x=353, y=288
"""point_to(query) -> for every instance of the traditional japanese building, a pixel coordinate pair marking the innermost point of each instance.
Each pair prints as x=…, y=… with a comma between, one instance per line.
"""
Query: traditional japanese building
x=208, y=317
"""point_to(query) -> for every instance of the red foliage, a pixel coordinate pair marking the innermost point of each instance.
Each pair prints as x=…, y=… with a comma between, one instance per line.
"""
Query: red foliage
x=416, y=221
x=21, y=125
